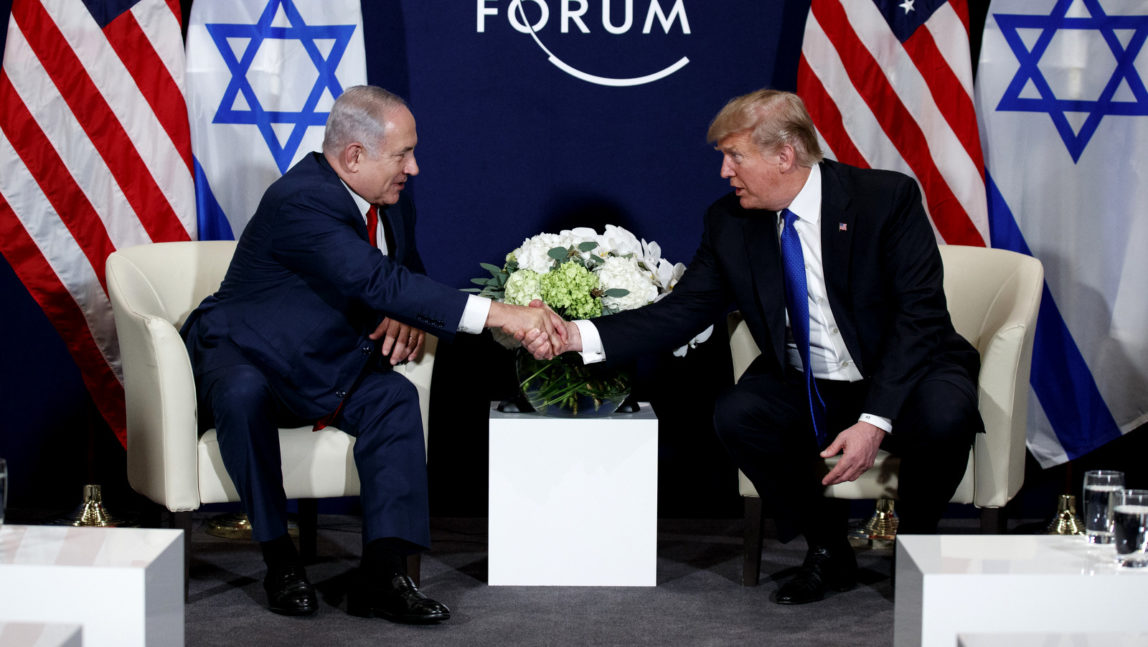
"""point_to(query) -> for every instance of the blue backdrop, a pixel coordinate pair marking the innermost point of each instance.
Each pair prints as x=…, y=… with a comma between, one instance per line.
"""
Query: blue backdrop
x=510, y=145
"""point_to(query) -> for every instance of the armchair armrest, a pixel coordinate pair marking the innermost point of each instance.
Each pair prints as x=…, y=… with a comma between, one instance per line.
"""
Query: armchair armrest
x=1003, y=385
x=160, y=392
x=420, y=374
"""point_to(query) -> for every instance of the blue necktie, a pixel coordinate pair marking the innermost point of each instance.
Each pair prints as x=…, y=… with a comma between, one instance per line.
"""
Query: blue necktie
x=797, y=302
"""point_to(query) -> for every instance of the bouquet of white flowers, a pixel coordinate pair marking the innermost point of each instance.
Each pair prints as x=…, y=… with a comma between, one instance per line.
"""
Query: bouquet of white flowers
x=580, y=274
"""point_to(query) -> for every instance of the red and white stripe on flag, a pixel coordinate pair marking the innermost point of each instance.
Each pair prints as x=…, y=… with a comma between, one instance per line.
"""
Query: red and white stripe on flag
x=889, y=85
x=95, y=155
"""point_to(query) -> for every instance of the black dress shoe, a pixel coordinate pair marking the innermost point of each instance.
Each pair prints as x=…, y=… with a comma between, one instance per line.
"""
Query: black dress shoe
x=398, y=600
x=289, y=593
x=823, y=568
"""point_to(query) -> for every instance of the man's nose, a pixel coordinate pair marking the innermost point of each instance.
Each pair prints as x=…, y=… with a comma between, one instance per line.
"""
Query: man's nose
x=412, y=167
x=726, y=168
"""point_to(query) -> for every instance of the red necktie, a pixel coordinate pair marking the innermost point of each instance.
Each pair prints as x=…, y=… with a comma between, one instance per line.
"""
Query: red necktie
x=373, y=225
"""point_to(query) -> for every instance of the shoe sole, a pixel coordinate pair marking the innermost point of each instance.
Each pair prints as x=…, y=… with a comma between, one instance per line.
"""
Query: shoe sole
x=360, y=612
x=840, y=587
x=293, y=612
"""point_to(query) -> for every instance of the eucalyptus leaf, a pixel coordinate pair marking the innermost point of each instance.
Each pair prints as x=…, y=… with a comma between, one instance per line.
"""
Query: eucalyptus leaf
x=558, y=253
x=616, y=293
x=493, y=269
x=587, y=246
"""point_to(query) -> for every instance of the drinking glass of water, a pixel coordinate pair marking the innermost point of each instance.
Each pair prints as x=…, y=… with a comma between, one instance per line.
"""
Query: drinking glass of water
x=1130, y=528
x=1100, y=490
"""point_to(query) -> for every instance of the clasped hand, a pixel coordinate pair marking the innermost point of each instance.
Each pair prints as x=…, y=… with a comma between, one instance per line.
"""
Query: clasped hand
x=539, y=328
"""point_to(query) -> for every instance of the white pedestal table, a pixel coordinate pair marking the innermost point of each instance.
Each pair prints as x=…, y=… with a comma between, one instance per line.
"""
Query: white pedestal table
x=123, y=585
x=949, y=585
x=573, y=501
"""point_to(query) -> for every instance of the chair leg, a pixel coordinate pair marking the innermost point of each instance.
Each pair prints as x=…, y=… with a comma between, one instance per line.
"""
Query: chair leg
x=751, y=561
x=414, y=566
x=308, y=529
x=182, y=521
x=994, y=521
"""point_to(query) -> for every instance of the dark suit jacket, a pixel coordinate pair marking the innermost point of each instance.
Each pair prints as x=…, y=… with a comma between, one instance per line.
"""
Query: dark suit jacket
x=883, y=276
x=305, y=288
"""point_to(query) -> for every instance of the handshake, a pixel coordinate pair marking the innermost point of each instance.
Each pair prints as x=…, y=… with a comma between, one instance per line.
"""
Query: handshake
x=540, y=330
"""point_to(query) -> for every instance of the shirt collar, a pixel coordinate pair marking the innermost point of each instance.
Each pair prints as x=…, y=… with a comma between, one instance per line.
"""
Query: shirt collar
x=807, y=204
x=360, y=203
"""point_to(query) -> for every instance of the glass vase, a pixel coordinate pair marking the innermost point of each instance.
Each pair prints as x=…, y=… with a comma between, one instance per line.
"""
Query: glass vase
x=564, y=387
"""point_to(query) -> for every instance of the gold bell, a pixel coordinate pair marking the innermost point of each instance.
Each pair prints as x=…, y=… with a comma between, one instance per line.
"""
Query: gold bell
x=91, y=512
x=1065, y=522
x=882, y=526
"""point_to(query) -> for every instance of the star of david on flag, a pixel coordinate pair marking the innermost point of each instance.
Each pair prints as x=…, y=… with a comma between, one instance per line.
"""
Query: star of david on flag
x=1076, y=117
x=262, y=76
x=1062, y=107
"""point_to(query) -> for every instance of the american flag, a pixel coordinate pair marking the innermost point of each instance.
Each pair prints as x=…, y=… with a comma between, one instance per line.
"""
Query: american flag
x=889, y=85
x=95, y=155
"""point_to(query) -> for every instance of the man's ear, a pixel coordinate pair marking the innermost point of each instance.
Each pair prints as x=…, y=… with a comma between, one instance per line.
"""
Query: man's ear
x=787, y=157
x=351, y=156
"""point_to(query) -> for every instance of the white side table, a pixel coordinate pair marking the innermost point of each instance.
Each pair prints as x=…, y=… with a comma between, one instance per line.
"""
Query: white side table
x=1095, y=639
x=124, y=585
x=573, y=501
x=40, y=634
x=948, y=585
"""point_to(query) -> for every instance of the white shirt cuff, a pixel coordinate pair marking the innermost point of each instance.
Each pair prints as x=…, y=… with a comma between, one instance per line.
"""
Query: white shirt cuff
x=474, y=314
x=592, y=351
x=885, y=424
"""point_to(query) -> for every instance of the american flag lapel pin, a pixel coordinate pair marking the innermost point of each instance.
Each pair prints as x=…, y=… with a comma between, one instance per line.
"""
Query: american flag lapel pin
x=842, y=227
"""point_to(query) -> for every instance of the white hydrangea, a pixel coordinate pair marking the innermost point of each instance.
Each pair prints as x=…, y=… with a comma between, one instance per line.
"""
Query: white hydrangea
x=534, y=253
x=622, y=272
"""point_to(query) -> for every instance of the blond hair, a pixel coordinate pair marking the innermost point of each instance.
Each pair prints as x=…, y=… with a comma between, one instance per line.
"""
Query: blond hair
x=775, y=117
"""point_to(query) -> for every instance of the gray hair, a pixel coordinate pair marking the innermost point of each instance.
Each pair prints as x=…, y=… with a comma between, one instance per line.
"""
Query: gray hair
x=776, y=118
x=359, y=115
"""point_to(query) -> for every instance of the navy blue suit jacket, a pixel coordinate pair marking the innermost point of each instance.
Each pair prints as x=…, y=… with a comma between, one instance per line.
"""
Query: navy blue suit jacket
x=305, y=288
x=883, y=275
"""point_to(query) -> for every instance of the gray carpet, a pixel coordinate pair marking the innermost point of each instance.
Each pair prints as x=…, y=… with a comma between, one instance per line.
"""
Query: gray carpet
x=698, y=599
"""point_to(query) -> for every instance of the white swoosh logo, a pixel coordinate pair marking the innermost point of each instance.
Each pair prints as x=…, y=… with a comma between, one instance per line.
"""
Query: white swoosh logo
x=594, y=78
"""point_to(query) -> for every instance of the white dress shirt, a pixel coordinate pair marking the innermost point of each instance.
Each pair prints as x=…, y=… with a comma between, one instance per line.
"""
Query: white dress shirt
x=828, y=356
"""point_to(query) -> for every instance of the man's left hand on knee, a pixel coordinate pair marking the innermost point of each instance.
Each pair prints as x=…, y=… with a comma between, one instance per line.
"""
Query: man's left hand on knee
x=858, y=446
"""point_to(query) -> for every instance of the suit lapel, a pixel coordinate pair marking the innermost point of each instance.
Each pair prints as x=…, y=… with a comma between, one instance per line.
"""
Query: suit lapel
x=764, y=253
x=395, y=224
x=837, y=229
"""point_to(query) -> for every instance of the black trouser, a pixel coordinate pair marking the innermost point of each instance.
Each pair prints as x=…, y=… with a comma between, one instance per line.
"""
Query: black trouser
x=765, y=425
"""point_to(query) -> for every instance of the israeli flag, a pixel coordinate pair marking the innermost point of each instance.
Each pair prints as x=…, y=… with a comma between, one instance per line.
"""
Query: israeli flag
x=261, y=78
x=1063, y=113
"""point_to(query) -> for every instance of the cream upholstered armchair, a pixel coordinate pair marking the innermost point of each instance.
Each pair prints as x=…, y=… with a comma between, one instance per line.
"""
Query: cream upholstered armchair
x=153, y=288
x=993, y=298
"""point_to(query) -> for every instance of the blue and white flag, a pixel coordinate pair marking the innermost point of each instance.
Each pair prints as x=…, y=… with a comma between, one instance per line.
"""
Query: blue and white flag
x=261, y=78
x=1063, y=112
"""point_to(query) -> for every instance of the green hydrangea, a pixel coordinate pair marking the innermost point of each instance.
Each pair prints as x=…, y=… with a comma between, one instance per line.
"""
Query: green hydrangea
x=567, y=289
x=523, y=287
